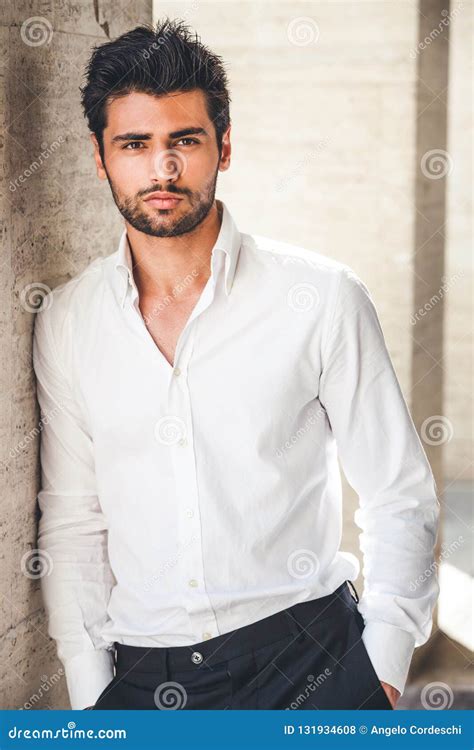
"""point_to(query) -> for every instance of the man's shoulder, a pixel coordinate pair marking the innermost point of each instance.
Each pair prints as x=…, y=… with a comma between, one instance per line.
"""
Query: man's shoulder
x=288, y=257
x=71, y=298
x=76, y=288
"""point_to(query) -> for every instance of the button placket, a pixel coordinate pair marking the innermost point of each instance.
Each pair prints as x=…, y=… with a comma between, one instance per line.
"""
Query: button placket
x=187, y=497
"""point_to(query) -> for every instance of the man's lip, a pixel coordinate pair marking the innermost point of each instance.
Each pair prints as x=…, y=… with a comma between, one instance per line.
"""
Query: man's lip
x=163, y=196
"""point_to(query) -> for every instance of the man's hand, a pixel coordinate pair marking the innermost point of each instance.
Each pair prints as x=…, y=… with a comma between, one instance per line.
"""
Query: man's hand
x=392, y=693
x=88, y=708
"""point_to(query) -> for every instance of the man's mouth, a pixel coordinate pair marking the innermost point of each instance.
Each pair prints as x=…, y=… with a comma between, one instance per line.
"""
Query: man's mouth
x=163, y=200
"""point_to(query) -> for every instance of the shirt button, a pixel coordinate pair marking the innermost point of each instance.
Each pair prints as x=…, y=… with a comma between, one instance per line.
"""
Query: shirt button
x=183, y=441
x=196, y=657
x=176, y=372
x=193, y=582
x=206, y=636
x=189, y=512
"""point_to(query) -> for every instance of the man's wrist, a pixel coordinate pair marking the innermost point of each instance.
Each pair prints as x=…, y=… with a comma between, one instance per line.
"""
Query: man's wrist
x=390, y=650
x=87, y=675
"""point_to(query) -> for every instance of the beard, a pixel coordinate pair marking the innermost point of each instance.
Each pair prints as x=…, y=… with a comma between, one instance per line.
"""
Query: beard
x=160, y=222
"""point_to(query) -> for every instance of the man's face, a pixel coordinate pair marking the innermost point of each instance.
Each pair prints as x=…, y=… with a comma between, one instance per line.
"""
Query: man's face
x=165, y=144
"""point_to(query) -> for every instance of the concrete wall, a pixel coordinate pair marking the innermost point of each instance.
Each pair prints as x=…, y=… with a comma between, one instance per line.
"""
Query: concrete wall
x=56, y=217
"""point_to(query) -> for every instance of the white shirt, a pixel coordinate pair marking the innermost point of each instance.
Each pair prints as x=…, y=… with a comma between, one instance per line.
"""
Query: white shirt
x=179, y=503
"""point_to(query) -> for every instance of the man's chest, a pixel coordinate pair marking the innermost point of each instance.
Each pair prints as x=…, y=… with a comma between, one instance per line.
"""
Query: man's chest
x=231, y=366
x=165, y=322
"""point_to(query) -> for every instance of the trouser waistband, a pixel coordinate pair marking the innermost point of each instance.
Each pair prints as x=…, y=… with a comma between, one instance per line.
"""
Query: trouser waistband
x=290, y=621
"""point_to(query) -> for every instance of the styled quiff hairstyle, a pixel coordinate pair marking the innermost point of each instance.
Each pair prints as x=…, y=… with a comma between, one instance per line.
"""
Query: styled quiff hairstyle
x=154, y=60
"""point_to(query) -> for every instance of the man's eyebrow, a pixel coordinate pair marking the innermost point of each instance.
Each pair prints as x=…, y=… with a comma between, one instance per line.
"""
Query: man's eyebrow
x=148, y=136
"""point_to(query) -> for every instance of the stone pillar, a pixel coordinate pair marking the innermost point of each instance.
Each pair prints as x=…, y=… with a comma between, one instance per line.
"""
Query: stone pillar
x=431, y=169
x=432, y=166
x=56, y=217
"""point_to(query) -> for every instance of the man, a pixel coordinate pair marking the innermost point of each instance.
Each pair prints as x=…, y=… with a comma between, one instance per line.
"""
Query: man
x=197, y=386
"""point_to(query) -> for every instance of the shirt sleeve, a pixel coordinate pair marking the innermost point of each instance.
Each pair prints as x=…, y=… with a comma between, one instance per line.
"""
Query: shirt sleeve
x=385, y=463
x=76, y=578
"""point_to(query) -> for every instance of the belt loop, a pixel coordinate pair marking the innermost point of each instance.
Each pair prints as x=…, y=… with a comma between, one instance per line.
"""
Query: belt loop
x=356, y=596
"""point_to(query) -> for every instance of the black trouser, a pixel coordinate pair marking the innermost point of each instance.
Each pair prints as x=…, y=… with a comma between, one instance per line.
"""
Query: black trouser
x=309, y=656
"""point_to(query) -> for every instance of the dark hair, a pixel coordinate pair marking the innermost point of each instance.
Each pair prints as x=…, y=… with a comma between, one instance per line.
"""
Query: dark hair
x=154, y=60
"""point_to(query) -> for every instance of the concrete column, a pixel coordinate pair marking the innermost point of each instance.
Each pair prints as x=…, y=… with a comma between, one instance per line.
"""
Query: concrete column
x=56, y=217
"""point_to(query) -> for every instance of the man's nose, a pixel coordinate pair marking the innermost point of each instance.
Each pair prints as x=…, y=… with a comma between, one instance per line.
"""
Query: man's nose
x=168, y=164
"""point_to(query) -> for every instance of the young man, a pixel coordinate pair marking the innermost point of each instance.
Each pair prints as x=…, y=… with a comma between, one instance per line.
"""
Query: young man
x=197, y=386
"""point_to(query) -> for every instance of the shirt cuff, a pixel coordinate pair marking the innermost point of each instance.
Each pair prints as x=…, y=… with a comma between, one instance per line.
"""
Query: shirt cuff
x=87, y=676
x=390, y=650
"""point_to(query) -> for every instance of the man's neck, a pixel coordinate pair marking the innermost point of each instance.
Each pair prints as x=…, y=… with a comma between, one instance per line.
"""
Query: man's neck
x=160, y=264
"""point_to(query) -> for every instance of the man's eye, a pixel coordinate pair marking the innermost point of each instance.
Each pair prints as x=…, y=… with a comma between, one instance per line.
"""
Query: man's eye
x=190, y=140
x=133, y=143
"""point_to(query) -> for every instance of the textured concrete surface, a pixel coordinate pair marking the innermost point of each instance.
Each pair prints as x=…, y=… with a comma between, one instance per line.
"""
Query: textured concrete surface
x=56, y=217
x=458, y=362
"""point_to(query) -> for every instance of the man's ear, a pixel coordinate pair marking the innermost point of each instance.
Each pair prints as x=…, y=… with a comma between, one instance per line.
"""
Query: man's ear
x=101, y=173
x=224, y=162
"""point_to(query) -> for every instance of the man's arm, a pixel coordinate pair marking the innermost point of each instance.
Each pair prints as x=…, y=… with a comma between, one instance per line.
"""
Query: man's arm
x=385, y=462
x=72, y=539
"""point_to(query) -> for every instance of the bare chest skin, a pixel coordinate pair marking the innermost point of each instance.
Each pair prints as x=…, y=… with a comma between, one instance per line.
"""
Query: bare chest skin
x=165, y=322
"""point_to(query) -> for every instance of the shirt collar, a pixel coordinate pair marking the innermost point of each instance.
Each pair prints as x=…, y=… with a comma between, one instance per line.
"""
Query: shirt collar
x=227, y=244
